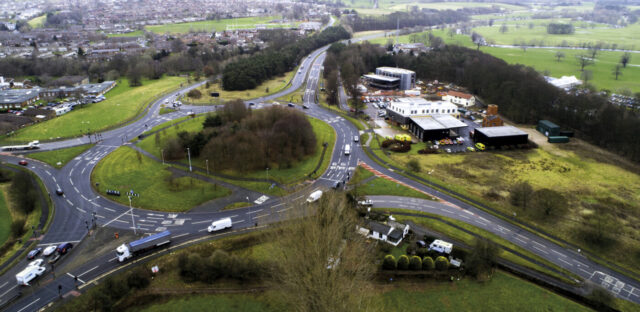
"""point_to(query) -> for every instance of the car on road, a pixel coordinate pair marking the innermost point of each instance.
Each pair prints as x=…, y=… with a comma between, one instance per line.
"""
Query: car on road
x=59, y=192
x=34, y=253
x=448, y=150
x=305, y=106
x=251, y=103
x=49, y=251
x=23, y=163
x=37, y=262
x=54, y=258
x=64, y=247
x=356, y=138
x=291, y=104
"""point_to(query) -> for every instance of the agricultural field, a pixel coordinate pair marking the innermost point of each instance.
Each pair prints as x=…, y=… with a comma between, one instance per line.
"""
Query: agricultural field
x=545, y=61
x=389, y=6
x=38, y=21
x=266, y=88
x=606, y=180
x=123, y=103
x=59, y=158
x=211, y=25
x=126, y=169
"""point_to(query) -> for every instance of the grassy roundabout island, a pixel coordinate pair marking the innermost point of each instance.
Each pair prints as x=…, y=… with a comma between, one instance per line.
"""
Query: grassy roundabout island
x=160, y=189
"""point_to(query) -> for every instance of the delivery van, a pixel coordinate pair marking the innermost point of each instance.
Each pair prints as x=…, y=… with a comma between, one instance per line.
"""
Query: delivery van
x=219, y=225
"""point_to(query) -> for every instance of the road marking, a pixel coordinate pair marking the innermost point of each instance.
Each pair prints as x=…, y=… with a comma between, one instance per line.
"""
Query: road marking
x=585, y=271
x=77, y=191
x=10, y=289
x=261, y=216
x=180, y=235
x=54, y=179
x=562, y=255
x=71, y=275
x=278, y=205
x=239, y=221
x=519, y=239
x=122, y=214
x=565, y=261
x=285, y=209
x=81, y=209
x=202, y=230
x=198, y=222
x=156, y=218
x=70, y=181
x=582, y=264
x=255, y=211
x=114, y=258
x=28, y=305
x=541, y=250
x=87, y=271
x=5, y=284
x=112, y=210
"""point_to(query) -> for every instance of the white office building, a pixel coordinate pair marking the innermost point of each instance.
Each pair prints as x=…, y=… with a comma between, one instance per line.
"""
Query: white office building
x=402, y=109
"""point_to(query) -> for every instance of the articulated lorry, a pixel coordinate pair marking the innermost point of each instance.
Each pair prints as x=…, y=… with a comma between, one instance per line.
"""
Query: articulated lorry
x=128, y=250
x=31, y=145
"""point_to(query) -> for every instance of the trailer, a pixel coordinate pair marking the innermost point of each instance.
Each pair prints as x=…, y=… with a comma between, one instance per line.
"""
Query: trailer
x=128, y=250
x=29, y=273
x=30, y=146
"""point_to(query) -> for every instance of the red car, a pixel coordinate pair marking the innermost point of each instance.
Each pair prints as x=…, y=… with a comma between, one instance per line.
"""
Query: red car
x=23, y=163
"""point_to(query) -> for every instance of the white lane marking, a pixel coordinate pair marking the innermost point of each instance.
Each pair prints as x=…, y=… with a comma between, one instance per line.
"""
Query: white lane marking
x=71, y=275
x=233, y=216
x=58, y=243
x=254, y=211
x=54, y=179
x=285, y=209
x=519, y=240
x=180, y=235
x=83, y=211
x=116, y=218
x=10, y=289
x=560, y=254
x=5, y=284
x=70, y=203
x=565, y=261
x=261, y=216
x=85, y=198
x=28, y=305
x=75, y=188
x=156, y=218
x=112, y=210
x=47, y=171
x=205, y=221
x=541, y=250
x=87, y=271
x=585, y=271
x=580, y=263
x=202, y=230
x=70, y=181
x=114, y=258
x=278, y=205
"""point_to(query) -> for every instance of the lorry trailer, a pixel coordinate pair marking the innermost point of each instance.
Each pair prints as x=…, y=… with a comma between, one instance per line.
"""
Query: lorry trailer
x=128, y=250
x=31, y=145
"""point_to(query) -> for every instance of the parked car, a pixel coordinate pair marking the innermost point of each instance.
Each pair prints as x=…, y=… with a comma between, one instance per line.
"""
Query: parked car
x=480, y=146
x=49, y=251
x=421, y=244
x=291, y=105
x=54, y=258
x=64, y=247
x=37, y=262
x=34, y=253
x=305, y=106
x=23, y=162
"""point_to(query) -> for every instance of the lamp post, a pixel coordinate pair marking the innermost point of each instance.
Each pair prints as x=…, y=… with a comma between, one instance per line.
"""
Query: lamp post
x=162, y=152
x=132, y=220
x=189, y=155
x=267, y=173
x=207, y=161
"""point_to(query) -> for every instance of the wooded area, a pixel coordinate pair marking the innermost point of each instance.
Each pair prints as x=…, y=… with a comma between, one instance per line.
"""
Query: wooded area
x=404, y=19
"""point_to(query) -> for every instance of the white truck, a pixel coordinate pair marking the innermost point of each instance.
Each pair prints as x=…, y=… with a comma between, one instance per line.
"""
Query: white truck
x=314, y=196
x=128, y=250
x=219, y=225
x=30, y=146
x=28, y=274
x=347, y=149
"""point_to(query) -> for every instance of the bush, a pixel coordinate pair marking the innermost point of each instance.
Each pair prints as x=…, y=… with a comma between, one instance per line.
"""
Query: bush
x=415, y=263
x=414, y=165
x=194, y=94
x=17, y=227
x=139, y=278
x=403, y=262
x=421, y=252
x=400, y=146
x=442, y=263
x=115, y=288
x=428, y=264
x=5, y=176
x=389, y=263
x=386, y=143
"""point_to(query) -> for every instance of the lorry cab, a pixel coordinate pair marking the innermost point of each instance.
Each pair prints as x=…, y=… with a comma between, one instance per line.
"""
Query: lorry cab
x=219, y=225
x=347, y=149
x=123, y=252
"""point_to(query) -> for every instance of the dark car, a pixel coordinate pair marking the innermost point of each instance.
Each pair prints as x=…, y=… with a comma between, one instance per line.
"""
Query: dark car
x=421, y=244
x=54, y=258
x=251, y=103
x=34, y=253
x=23, y=163
x=337, y=185
x=291, y=105
x=64, y=247
x=305, y=106
x=59, y=192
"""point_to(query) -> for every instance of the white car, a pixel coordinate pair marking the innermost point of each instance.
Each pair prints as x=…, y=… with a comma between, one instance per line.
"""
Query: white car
x=37, y=262
x=49, y=251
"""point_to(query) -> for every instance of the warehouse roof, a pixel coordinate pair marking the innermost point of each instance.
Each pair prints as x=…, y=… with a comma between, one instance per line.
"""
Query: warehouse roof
x=18, y=96
x=440, y=122
x=395, y=70
x=383, y=78
x=501, y=131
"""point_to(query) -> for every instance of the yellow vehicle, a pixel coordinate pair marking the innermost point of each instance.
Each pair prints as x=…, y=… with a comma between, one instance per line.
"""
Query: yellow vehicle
x=403, y=137
x=480, y=146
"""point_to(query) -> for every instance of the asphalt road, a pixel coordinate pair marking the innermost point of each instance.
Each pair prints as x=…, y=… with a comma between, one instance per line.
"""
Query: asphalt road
x=81, y=205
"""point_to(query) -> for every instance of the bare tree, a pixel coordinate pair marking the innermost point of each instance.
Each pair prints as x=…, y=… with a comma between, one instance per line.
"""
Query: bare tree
x=625, y=58
x=321, y=262
x=617, y=71
x=559, y=55
x=583, y=61
x=586, y=76
x=504, y=28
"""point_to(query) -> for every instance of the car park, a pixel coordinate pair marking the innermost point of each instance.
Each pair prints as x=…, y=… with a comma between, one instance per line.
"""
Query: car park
x=23, y=163
x=49, y=251
x=34, y=253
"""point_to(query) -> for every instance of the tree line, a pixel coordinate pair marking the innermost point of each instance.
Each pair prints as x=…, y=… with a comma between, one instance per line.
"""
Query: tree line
x=404, y=19
x=249, y=72
x=244, y=140
x=560, y=29
x=523, y=95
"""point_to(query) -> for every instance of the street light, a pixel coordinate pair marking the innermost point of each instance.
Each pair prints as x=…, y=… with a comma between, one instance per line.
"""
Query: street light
x=189, y=154
x=132, y=220
x=267, y=173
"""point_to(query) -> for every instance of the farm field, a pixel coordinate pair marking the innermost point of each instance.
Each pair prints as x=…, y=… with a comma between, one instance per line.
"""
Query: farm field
x=160, y=189
x=123, y=103
x=210, y=25
x=544, y=60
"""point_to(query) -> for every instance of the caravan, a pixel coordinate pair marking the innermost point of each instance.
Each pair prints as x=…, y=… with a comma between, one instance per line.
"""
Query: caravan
x=29, y=273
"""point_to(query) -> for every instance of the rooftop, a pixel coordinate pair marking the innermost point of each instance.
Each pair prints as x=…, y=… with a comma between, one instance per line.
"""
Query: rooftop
x=501, y=131
x=439, y=122
x=12, y=96
x=383, y=78
x=396, y=70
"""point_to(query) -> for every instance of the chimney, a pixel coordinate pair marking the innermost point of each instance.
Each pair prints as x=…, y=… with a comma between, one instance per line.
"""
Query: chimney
x=492, y=110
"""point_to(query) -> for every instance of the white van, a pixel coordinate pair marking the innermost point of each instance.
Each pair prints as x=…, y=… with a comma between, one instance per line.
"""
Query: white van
x=314, y=196
x=220, y=225
x=347, y=149
x=28, y=274
x=441, y=246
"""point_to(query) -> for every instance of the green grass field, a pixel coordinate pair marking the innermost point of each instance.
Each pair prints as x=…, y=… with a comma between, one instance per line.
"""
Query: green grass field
x=545, y=61
x=137, y=33
x=380, y=186
x=37, y=22
x=209, y=26
x=63, y=156
x=125, y=169
x=365, y=7
x=123, y=103
x=268, y=87
x=222, y=303
x=31, y=220
x=5, y=219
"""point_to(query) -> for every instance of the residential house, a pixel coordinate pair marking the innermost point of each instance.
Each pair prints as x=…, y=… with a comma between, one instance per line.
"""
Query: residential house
x=383, y=232
x=460, y=98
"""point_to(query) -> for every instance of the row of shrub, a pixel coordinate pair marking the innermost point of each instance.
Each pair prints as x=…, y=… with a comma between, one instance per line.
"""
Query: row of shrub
x=414, y=263
x=396, y=145
x=194, y=267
